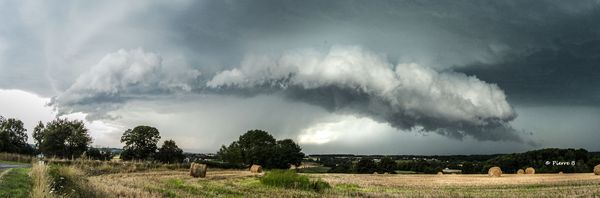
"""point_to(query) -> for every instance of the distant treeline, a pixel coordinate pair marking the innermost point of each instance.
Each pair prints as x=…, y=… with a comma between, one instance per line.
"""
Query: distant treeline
x=409, y=157
x=551, y=160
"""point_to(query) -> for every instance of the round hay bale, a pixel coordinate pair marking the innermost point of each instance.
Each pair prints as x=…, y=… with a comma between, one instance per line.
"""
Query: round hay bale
x=495, y=171
x=530, y=171
x=440, y=173
x=520, y=172
x=560, y=173
x=256, y=169
x=597, y=169
x=198, y=170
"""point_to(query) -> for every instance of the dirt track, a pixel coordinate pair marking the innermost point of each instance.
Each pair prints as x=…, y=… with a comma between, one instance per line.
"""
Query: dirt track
x=7, y=166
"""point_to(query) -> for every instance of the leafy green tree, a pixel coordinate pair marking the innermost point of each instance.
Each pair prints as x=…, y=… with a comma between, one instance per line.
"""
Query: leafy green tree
x=13, y=138
x=99, y=154
x=231, y=153
x=259, y=147
x=366, y=166
x=63, y=138
x=140, y=143
x=344, y=167
x=169, y=152
x=256, y=147
x=285, y=154
x=38, y=134
x=387, y=165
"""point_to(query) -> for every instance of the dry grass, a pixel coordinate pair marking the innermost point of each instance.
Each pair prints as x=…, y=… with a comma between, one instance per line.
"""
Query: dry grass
x=218, y=183
x=41, y=181
x=457, y=180
x=242, y=183
x=509, y=185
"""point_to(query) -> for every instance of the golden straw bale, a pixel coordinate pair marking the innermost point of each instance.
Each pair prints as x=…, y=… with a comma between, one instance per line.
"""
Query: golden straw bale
x=495, y=171
x=198, y=170
x=530, y=171
x=256, y=169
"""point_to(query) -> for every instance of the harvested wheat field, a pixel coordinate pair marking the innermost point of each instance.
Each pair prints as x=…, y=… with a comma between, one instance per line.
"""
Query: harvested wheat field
x=228, y=183
x=217, y=183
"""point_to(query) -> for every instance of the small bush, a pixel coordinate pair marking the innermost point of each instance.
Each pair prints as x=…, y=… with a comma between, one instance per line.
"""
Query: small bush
x=290, y=179
x=286, y=179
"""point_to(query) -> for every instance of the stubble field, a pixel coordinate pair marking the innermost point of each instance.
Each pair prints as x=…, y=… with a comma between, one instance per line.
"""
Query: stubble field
x=234, y=183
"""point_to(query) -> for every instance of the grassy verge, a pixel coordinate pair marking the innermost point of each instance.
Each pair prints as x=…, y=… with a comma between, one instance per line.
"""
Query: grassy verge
x=16, y=183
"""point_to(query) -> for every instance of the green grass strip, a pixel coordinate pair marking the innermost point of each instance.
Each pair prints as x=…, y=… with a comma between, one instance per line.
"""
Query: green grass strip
x=16, y=183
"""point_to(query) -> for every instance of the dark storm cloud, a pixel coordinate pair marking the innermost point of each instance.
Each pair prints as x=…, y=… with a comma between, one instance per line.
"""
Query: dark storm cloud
x=557, y=62
x=122, y=76
x=430, y=34
x=440, y=34
x=350, y=101
x=352, y=80
x=568, y=74
x=529, y=52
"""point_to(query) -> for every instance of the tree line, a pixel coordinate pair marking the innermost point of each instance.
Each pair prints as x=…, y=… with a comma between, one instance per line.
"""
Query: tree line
x=259, y=147
x=365, y=165
x=13, y=138
x=64, y=138
x=569, y=161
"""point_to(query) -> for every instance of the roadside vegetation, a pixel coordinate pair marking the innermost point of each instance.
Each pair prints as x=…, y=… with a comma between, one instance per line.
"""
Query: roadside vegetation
x=41, y=181
x=68, y=181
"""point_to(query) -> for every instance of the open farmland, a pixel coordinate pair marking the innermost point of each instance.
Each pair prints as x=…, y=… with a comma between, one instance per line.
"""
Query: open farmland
x=230, y=183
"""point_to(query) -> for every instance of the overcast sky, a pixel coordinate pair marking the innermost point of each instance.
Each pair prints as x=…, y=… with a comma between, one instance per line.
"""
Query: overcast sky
x=365, y=77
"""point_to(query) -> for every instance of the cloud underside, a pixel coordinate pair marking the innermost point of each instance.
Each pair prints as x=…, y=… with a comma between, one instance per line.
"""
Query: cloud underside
x=343, y=80
x=408, y=96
